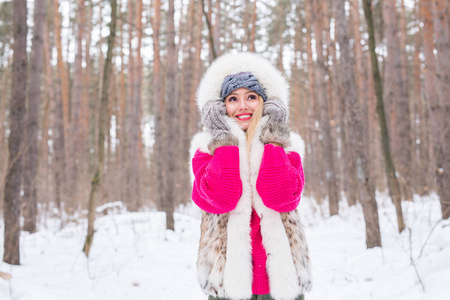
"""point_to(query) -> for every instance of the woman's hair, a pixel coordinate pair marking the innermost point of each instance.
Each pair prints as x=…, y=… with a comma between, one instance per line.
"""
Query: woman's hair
x=257, y=115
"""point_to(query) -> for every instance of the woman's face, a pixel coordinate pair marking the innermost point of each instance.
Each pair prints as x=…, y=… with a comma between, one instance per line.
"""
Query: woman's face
x=241, y=104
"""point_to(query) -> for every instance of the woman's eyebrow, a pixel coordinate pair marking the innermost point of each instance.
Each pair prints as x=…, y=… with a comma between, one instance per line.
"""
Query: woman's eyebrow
x=249, y=92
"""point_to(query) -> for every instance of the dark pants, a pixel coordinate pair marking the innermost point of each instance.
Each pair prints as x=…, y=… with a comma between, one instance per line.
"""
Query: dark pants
x=256, y=297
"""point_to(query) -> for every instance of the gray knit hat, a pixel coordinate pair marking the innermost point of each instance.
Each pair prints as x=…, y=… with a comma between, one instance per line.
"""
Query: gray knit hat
x=244, y=79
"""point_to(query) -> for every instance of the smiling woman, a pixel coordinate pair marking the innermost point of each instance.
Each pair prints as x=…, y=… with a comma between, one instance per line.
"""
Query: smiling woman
x=248, y=178
x=241, y=104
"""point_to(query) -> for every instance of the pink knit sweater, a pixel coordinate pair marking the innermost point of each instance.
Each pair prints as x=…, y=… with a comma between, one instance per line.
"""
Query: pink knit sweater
x=218, y=187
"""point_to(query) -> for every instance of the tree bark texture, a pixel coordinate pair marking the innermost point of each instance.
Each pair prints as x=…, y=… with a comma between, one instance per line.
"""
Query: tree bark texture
x=76, y=145
x=61, y=116
x=327, y=142
x=440, y=110
x=213, y=54
x=171, y=119
x=394, y=189
x=396, y=98
x=421, y=159
x=103, y=127
x=62, y=73
x=11, y=210
x=356, y=130
x=314, y=161
x=32, y=121
x=253, y=28
x=158, y=107
x=133, y=125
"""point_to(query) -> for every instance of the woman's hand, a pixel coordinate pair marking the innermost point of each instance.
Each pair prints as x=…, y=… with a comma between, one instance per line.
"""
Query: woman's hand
x=213, y=114
x=213, y=118
x=276, y=131
x=276, y=110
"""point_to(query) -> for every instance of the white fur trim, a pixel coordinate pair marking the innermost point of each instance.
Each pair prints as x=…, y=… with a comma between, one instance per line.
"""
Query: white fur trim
x=269, y=77
x=280, y=266
x=199, y=142
x=297, y=145
x=238, y=273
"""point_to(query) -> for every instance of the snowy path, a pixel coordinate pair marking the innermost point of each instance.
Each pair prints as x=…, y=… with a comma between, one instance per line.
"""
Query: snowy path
x=133, y=257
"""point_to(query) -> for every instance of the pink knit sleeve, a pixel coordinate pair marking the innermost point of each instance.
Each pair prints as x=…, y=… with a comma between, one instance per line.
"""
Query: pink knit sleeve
x=280, y=181
x=217, y=185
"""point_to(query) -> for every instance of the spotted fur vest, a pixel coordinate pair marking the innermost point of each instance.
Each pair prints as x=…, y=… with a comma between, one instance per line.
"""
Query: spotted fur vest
x=224, y=263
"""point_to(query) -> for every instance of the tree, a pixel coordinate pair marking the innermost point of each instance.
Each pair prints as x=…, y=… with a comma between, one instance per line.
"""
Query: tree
x=394, y=189
x=11, y=213
x=172, y=133
x=133, y=110
x=103, y=127
x=353, y=118
x=76, y=137
x=60, y=111
x=32, y=122
x=158, y=107
x=321, y=89
x=395, y=95
x=440, y=108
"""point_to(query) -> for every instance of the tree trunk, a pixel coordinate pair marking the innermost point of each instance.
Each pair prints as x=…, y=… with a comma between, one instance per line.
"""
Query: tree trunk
x=357, y=141
x=195, y=118
x=11, y=212
x=61, y=113
x=158, y=107
x=62, y=73
x=76, y=143
x=172, y=126
x=32, y=123
x=48, y=113
x=103, y=127
x=394, y=189
x=440, y=110
x=314, y=161
x=187, y=89
x=395, y=93
x=350, y=180
x=133, y=111
x=212, y=48
x=280, y=26
x=217, y=27
x=253, y=29
x=133, y=123
x=327, y=143
x=121, y=113
x=421, y=180
x=429, y=73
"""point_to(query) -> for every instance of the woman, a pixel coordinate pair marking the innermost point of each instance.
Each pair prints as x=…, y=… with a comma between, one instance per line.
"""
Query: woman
x=247, y=179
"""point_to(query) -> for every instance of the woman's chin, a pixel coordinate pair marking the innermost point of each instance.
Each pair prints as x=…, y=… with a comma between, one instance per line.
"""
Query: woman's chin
x=243, y=124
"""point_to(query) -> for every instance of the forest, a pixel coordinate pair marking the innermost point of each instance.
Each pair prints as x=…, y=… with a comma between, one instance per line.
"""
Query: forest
x=97, y=102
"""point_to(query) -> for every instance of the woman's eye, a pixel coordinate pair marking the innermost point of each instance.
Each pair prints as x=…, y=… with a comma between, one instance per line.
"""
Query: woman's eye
x=252, y=97
x=232, y=99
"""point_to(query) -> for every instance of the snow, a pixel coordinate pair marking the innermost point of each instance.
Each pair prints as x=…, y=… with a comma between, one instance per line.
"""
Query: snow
x=134, y=257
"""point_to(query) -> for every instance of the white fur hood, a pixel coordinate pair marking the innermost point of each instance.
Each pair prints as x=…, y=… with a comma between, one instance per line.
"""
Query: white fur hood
x=269, y=77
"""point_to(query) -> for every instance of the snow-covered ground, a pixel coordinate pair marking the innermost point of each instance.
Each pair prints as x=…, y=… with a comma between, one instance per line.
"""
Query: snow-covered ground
x=134, y=257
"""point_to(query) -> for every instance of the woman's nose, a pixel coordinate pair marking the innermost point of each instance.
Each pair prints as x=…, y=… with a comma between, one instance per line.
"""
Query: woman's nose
x=242, y=105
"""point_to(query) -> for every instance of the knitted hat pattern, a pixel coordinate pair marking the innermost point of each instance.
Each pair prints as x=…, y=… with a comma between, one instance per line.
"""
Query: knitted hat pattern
x=241, y=80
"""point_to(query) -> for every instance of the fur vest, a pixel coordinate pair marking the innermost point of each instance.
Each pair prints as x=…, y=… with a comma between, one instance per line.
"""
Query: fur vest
x=224, y=263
